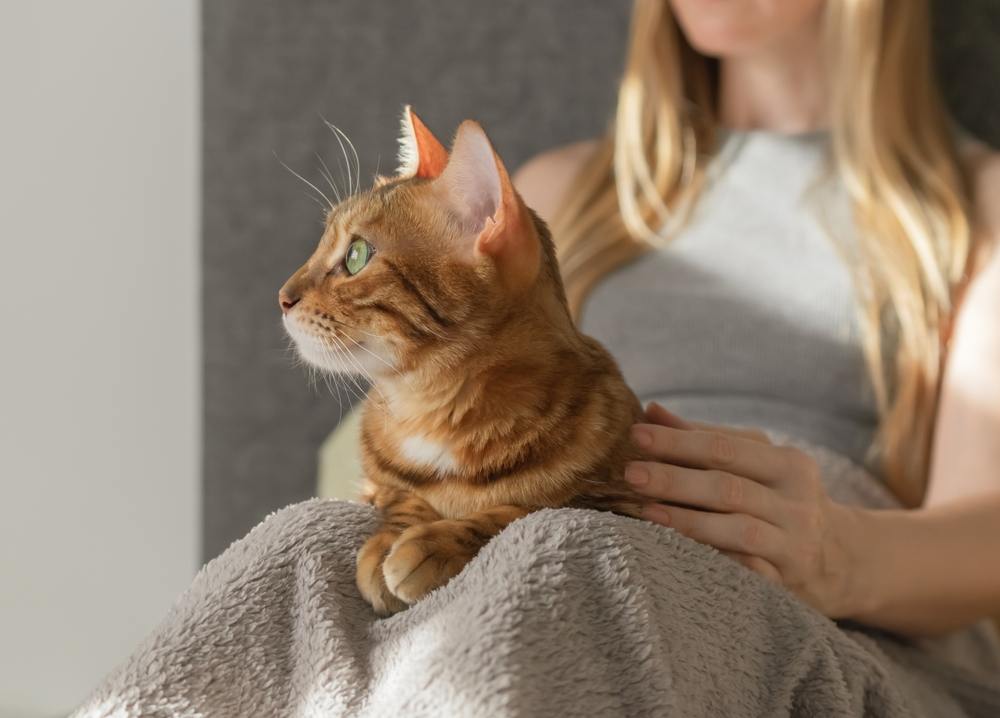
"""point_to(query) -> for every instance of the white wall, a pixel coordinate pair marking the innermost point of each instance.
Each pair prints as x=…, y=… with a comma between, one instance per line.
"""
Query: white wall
x=99, y=402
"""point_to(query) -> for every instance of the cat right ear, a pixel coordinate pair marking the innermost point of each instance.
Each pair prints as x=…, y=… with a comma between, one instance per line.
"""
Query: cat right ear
x=494, y=222
x=420, y=152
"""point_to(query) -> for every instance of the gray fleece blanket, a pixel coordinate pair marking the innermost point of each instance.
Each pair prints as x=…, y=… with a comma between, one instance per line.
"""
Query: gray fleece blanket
x=566, y=613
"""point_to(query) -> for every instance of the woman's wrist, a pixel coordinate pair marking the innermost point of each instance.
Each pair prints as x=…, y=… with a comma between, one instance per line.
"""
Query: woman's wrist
x=865, y=546
x=916, y=572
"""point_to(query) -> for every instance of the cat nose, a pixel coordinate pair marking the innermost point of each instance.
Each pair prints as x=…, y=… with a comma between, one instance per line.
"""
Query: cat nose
x=287, y=301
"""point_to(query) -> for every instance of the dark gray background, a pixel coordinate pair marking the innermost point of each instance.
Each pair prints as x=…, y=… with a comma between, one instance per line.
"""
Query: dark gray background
x=537, y=73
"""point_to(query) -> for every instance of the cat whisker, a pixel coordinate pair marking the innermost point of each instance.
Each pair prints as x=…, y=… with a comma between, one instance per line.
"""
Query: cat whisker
x=325, y=171
x=354, y=185
x=343, y=162
x=313, y=375
x=336, y=385
x=370, y=352
x=298, y=361
x=326, y=381
x=319, y=204
x=352, y=327
x=310, y=184
x=357, y=161
x=338, y=380
x=290, y=349
x=313, y=378
x=440, y=336
x=354, y=362
x=346, y=165
x=340, y=400
x=344, y=168
x=344, y=352
x=355, y=329
x=344, y=358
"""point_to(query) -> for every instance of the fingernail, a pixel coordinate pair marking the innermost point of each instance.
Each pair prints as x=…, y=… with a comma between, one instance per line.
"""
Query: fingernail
x=636, y=475
x=642, y=438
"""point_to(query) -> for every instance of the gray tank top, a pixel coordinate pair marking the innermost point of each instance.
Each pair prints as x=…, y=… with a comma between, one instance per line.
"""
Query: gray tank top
x=748, y=315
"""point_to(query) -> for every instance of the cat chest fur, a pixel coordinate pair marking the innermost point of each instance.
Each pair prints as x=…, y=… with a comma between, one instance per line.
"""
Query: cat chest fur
x=422, y=451
x=435, y=471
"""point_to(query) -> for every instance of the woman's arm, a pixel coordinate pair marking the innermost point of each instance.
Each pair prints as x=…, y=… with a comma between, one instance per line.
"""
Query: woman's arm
x=966, y=453
x=939, y=567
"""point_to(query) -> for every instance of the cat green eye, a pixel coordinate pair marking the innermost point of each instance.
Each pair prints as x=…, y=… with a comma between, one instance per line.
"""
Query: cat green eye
x=358, y=254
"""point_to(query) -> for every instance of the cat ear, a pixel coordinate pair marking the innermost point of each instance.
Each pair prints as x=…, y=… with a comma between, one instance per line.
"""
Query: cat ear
x=477, y=189
x=420, y=152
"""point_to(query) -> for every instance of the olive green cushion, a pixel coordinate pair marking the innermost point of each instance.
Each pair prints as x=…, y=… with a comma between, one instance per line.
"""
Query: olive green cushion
x=340, y=460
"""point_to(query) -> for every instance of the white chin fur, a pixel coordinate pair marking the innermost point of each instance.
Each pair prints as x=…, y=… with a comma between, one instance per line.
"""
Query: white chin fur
x=322, y=355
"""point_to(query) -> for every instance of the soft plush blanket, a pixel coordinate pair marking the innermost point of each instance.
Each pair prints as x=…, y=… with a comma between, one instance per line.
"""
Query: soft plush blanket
x=566, y=613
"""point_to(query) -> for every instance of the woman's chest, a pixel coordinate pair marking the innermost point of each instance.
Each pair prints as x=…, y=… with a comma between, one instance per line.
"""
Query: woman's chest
x=753, y=298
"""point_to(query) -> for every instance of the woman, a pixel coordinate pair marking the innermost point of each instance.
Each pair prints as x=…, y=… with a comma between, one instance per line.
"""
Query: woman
x=820, y=120
x=781, y=279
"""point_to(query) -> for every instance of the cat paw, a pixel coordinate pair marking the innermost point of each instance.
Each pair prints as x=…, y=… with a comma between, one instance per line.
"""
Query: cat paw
x=369, y=577
x=423, y=558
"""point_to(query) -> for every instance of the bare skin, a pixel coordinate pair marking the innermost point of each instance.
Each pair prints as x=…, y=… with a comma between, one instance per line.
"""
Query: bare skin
x=917, y=572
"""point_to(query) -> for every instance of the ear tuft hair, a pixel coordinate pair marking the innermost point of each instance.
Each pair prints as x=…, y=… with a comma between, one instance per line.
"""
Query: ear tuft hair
x=409, y=155
x=421, y=154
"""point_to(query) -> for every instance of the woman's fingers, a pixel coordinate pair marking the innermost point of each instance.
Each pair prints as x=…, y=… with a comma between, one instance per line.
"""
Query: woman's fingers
x=706, y=489
x=730, y=532
x=756, y=564
x=768, y=464
x=656, y=414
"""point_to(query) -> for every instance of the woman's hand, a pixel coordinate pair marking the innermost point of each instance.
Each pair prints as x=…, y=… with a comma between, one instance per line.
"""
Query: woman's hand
x=760, y=504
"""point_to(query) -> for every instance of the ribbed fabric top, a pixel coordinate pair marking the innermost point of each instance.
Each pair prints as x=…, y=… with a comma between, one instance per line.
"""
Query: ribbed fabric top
x=748, y=315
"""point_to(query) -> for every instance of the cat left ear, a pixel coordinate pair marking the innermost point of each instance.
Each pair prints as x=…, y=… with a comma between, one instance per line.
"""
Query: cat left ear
x=477, y=189
x=420, y=152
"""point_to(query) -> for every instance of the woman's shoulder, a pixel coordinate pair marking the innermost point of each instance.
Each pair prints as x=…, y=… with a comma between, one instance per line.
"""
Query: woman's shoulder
x=544, y=180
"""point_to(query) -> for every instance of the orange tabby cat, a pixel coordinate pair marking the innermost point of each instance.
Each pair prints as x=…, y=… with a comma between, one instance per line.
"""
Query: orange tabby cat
x=489, y=404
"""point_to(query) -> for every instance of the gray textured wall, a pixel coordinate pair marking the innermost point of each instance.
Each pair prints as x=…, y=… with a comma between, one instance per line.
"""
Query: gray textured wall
x=536, y=72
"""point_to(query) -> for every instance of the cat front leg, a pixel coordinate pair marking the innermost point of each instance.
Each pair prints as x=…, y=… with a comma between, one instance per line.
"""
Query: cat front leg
x=400, y=510
x=427, y=556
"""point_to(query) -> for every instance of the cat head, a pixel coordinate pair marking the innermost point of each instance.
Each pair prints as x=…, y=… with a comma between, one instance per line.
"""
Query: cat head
x=424, y=267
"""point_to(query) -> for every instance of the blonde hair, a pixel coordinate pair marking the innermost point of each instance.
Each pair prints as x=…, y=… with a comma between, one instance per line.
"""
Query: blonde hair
x=893, y=147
